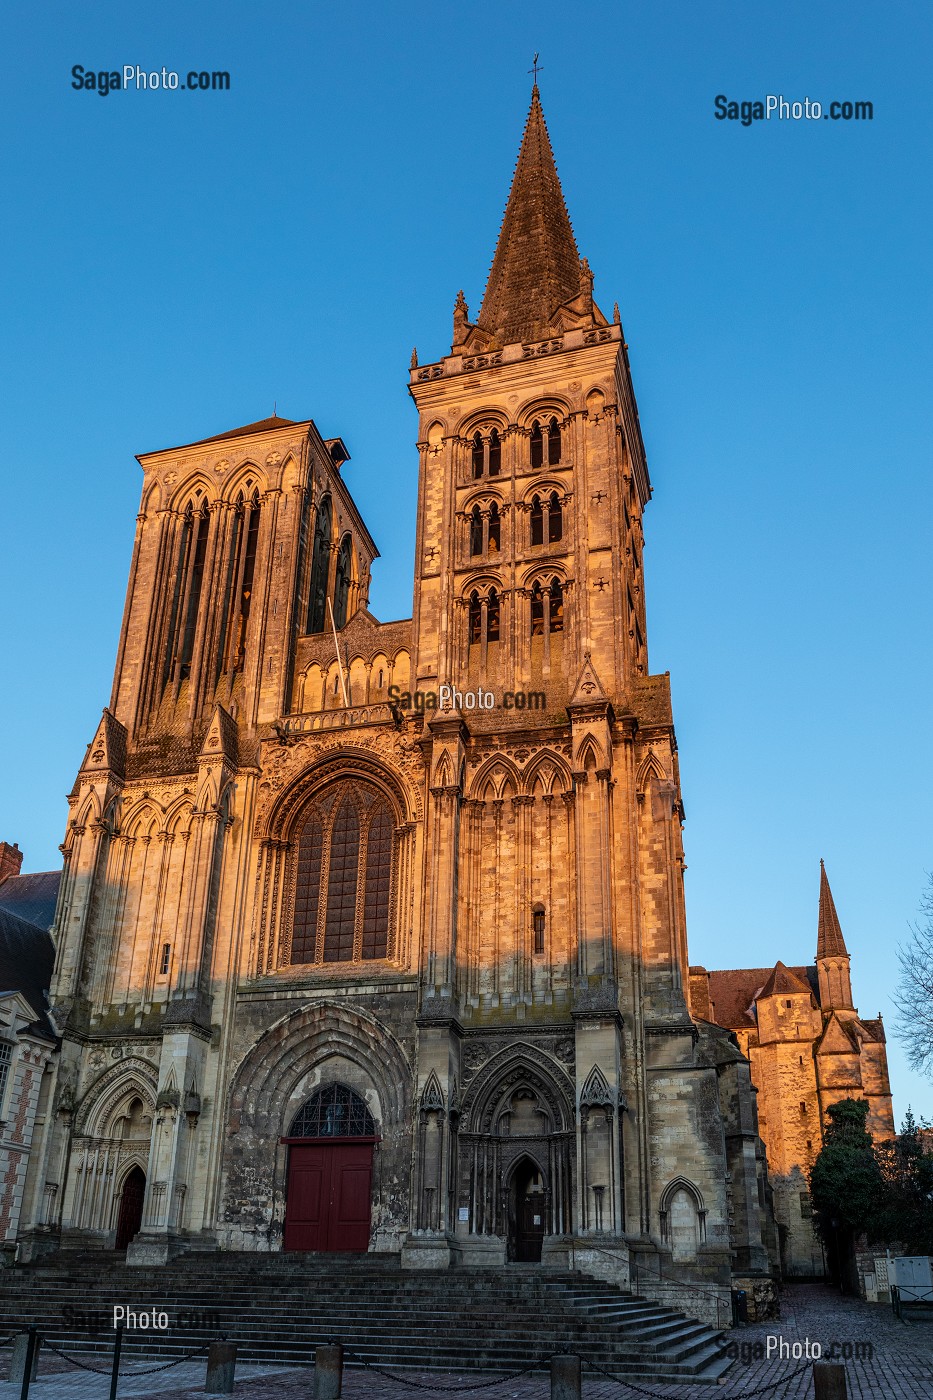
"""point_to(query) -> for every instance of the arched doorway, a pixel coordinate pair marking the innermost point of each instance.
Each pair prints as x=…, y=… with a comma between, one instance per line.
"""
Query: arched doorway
x=330, y=1168
x=130, y=1212
x=527, y=1212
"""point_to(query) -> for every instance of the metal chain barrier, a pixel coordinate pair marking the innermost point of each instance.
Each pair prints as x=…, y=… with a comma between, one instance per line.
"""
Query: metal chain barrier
x=740, y=1395
x=149, y=1371
x=440, y=1389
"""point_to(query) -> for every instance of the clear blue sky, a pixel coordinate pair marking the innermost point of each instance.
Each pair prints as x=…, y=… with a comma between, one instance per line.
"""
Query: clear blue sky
x=176, y=262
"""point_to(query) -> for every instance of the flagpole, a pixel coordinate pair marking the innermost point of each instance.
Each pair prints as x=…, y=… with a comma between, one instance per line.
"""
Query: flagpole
x=343, y=684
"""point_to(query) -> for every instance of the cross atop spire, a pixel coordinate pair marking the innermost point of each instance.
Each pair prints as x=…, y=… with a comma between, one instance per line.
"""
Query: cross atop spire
x=829, y=940
x=536, y=267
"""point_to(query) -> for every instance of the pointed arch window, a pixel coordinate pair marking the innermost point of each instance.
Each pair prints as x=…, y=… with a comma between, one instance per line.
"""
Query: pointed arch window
x=495, y=453
x=475, y=619
x=537, y=611
x=495, y=523
x=537, y=521
x=476, y=532
x=537, y=445
x=486, y=454
x=243, y=567
x=538, y=922
x=320, y=569
x=344, y=878
x=556, y=607
x=547, y=609
x=555, y=519
x=342, y=580
x=492, y=616
x=333, y=1112
x=553, y=442
x=478, y=456
x=186, y=599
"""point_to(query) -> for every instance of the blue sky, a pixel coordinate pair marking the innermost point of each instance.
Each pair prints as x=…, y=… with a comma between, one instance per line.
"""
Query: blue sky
x=177, y=262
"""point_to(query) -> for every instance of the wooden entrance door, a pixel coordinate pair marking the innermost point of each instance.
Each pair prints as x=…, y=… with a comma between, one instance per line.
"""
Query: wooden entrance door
x=130, y=1216
x=529, y=1209
x=329, y=1196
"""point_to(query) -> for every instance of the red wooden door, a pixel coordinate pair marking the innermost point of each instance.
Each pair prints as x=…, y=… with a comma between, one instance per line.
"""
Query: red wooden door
x=329, y=1196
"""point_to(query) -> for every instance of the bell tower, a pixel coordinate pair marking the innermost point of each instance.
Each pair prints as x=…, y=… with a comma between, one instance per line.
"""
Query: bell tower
x=533, y=475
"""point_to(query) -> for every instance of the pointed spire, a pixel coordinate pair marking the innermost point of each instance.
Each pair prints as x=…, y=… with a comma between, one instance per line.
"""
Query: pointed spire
x=536, y=267
x=829, y=940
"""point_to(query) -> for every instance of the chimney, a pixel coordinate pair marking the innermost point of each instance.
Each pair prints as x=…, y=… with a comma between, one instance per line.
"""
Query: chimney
x=11, y=859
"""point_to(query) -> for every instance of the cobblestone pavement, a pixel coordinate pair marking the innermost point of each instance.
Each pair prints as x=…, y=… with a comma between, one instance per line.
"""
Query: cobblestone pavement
x=900, y=1367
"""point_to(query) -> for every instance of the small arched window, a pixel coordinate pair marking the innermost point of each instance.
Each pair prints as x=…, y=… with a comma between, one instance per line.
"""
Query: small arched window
x=478, y=456
x=495, y=523
x=537, y=445
x=537, y=521
x=553, y=442
x=475, y=623
x=495, y=453
x=555, y=519
x=492, y=616
x=538, y=926
x=476, y=532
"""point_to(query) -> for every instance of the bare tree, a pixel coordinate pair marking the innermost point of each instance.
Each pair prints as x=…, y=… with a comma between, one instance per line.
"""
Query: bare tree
x=914, y=998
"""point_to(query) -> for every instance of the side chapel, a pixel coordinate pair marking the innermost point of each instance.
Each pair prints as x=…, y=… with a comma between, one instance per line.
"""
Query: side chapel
x=333, y=974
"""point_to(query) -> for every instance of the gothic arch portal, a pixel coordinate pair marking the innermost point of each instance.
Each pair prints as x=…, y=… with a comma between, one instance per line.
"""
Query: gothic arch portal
x=322, y=1044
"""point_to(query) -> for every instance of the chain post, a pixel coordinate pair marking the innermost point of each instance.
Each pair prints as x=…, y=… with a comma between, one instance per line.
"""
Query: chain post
x=115, y=1373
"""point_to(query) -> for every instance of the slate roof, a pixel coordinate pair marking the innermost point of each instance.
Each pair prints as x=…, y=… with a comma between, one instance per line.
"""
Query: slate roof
x=732, y=992
x=536, y=267
x=829, y=939
x=27, y=957
x=31, y=897
x=782, y=980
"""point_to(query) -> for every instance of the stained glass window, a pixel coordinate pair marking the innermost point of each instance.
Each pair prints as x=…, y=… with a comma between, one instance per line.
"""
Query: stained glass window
x=333, y=1112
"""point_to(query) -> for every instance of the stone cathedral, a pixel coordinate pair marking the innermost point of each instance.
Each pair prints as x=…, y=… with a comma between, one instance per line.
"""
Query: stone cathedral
x=344, y=963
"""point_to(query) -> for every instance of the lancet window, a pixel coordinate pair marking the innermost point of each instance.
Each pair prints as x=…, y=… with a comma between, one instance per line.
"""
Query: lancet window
x=344, y=877
x=186, y=600
x=547, y=608
x=545, y=442
x=342, y=581
x=483, y=617
x=546, y=519
x=485, y=531
x=486, y=454
x=320, y=569
x=243, y=568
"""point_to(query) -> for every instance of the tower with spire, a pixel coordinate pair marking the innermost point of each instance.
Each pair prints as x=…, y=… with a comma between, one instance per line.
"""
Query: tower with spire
x=808, y=1048
x=417, y=883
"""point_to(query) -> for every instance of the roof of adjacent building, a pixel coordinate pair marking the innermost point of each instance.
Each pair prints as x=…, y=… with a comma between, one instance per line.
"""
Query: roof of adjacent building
x=31, y=897
x=536, y=266
x=27, y=957
x=262, y=425
x=829, y=939
x=733, y=992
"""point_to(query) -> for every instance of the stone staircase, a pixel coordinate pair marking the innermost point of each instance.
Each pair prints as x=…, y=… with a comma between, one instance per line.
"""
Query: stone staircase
x=279, y=1307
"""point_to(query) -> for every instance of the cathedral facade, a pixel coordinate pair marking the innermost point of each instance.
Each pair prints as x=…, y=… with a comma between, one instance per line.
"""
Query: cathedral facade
x=346, y=961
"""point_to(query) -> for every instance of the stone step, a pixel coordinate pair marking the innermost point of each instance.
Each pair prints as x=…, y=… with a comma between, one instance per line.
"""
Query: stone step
x=280, y=1307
